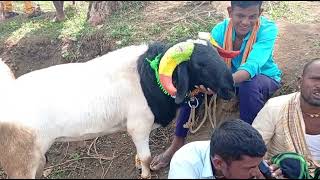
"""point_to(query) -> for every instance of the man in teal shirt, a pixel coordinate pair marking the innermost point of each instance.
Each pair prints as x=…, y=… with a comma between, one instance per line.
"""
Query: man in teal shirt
x=258, y=77
x=255, y=73
x=260, y=59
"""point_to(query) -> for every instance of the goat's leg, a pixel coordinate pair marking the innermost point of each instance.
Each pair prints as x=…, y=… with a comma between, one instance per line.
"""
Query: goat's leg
x=137, y=162
x=19, y=155
x=144, y=155
x=140, y=132
x=27, y=170
x=42, y=163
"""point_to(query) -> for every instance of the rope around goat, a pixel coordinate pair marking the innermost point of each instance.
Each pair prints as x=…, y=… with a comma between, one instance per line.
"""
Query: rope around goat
x=210, y=111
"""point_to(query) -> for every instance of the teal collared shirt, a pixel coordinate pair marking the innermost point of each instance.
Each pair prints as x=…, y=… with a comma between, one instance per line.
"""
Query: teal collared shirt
x=260, y=59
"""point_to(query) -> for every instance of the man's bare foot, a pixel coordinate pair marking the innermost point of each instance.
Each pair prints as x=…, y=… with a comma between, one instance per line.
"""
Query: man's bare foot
x=163, y=160
x=160, y=161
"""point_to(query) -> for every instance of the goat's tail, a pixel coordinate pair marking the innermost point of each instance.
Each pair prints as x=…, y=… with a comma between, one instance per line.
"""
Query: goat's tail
x=5, y=73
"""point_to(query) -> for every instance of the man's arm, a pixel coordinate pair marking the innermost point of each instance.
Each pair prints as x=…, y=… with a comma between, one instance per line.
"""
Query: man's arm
x=265, y=121
x=240, y=76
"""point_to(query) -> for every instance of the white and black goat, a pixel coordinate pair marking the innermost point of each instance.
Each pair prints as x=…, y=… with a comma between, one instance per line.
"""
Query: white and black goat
x=115, y=92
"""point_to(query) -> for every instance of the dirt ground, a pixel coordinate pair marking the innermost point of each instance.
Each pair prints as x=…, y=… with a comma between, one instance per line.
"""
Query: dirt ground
x=112, y=156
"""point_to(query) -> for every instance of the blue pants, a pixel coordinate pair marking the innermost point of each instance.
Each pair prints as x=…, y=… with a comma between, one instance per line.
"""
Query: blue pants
x=253, y=94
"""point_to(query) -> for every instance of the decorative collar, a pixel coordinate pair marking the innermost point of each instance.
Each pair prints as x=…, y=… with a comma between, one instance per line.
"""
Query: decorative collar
x=154, y=64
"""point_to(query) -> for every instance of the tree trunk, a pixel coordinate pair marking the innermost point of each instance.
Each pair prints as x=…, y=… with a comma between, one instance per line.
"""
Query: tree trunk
x=59, y=10
x=1, y=11
x=98, y=11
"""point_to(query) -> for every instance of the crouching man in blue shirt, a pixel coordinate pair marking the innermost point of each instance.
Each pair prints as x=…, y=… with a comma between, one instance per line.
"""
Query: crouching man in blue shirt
x=235, y=151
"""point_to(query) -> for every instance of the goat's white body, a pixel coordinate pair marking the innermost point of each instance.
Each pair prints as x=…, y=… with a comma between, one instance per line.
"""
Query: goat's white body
x=72, y=102
x=6, y=75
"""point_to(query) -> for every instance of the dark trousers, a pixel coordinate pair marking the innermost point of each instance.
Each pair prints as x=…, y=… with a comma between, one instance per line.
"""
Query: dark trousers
x=253, y=94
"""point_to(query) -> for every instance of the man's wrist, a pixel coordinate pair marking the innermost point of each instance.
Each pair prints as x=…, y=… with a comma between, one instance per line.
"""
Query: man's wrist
x=240, y=76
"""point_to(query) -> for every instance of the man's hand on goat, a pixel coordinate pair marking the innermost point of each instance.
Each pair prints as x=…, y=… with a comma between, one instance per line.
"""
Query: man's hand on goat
x=206, y=90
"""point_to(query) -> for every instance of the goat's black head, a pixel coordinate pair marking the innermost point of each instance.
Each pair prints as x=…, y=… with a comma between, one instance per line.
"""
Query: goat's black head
x=204, y=66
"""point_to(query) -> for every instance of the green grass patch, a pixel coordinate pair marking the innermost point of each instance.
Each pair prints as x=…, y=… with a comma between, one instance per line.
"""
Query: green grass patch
x=75, y=156
x=292, y=11
x=58, y=174
x=190, y=28
x=125, y=27
x=73, y=27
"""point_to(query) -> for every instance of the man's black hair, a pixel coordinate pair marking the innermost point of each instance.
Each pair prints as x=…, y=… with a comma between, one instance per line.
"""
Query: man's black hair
x=234, y=139
x=306, y=66
x=246, y=4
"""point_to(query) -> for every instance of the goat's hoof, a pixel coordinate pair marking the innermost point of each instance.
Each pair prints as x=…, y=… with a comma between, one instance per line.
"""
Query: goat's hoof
x=146, y=177
x=138, y=163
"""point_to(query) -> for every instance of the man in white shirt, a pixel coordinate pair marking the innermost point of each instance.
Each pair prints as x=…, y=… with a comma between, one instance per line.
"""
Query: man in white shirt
x=291, y=123
x=235, y=151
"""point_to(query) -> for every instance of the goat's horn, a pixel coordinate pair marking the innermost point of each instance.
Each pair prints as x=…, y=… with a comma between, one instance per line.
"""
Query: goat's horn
x=171, y=59
x=223, y=53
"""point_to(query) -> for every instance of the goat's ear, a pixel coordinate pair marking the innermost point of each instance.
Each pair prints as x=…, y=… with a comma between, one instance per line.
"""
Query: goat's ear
x=182, y=82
